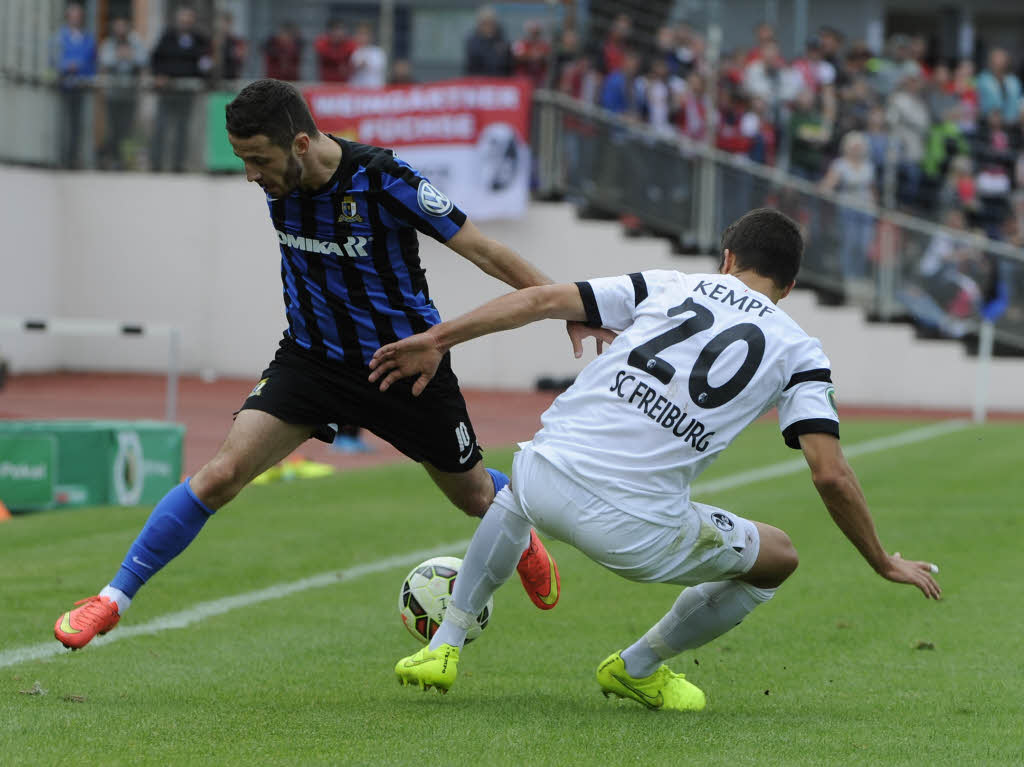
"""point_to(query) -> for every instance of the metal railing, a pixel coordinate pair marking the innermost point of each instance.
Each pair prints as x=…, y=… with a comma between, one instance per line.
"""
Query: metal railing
x=948, y=281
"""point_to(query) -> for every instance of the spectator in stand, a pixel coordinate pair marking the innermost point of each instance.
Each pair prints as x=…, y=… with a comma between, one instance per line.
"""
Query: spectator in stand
x=401, y=73
x=661, y=94
x=531, y=54
x=334, y=53
x=764, y=36
x=964, y=89
x=122, y=60
x=229, y=50
x=853, y=175
x=958, y=190
x=938, y=92
x=945, y=141
x=855, y=104
x=566, y=52
x=769, y=79
x=73, y=56
x=622, y=91
x=692, y=118
x=831, y=40
x=689, y=50
x=919, y=55
x=487, y=51
x=909, y=123
x=581, y=79
x=999, y=89
x=808, y=134
x=855, y=65
x=895, y=67
x=940, y=293
x=616, y=45
x=667, y=50
x=282, y=53
x=878, y=142
x=369, y=62
x=819, y=77
x=180, y=58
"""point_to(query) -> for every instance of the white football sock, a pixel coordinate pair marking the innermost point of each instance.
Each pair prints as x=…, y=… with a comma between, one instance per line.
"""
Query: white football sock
x=116, y=595
x=700, y=614
x=493, y=554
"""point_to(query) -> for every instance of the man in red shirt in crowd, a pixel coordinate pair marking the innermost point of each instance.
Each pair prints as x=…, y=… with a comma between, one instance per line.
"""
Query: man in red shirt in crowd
x=282, y=53
x=333, y=51
x=531, y=54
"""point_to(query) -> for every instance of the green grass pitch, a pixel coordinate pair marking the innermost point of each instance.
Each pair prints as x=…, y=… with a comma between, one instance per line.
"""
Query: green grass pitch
x=841, y=668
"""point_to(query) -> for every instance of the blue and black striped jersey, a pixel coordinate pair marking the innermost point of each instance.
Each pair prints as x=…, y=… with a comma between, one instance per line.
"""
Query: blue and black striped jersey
x=350, y=256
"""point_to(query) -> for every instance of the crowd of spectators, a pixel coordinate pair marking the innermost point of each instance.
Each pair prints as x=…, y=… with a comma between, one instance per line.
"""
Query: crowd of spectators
x=899, y=127
x=183, y=60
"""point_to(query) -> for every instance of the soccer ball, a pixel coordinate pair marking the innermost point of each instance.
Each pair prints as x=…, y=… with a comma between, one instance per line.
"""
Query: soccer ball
x=425, y=594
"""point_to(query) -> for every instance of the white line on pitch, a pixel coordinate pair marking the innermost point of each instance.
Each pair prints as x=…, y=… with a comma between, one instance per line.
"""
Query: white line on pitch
x=796, y=465
x=227, y=604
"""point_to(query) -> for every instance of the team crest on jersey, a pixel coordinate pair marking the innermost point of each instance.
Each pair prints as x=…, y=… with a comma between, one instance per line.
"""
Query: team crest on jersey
x=432, y=201
x=349, y=211
x=257, y=390
x=722, y=522
x=830, y=395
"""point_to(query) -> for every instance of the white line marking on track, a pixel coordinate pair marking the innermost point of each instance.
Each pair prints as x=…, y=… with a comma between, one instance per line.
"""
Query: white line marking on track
x=227, y=604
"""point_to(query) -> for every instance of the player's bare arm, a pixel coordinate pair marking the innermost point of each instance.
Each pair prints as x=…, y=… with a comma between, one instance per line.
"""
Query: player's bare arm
x=838, y=487
x=503, y=263
x=420, y=355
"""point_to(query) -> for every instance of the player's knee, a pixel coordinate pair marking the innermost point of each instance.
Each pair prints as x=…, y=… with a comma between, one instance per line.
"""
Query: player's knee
x=787, y=557
x=475, y=504
x=219, y=481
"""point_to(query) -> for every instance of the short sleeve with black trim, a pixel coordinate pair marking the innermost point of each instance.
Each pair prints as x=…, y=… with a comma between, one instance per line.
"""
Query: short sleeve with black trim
x=807, y=404
x=411, y=199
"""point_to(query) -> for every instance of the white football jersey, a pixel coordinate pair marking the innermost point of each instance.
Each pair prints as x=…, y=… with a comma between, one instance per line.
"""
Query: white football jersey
x=698, y=358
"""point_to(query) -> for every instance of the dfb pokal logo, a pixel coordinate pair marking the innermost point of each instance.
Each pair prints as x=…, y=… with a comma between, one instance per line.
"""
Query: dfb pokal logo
x=432, y=201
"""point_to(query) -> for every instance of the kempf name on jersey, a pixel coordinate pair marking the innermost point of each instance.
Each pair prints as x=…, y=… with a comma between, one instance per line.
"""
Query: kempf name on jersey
x=661, y=410
x=726, y=295
x=354, y=247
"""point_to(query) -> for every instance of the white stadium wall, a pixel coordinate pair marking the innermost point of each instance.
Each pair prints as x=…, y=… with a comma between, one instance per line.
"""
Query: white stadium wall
x=199, y=252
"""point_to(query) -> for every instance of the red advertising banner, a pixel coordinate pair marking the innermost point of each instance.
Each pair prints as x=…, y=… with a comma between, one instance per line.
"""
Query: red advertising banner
x=470, y=137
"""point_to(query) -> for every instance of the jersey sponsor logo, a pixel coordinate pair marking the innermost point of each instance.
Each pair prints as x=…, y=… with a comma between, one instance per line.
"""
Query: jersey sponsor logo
x=353, y=247
x=661, y=410
x=349, y=211
x=257, y=390
x=432, y=200
x=830, y=395
x=466, y=443
x=722, y=522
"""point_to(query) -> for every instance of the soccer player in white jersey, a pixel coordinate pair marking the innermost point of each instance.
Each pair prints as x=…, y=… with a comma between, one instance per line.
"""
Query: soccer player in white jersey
x=698, y=357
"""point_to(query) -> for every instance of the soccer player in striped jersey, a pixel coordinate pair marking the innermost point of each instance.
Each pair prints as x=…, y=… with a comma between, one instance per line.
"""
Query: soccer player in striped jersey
x=346, y=217
x=698, y=358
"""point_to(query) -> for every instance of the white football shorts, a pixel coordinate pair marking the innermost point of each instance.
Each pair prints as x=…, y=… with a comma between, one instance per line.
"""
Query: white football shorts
x=709, y=544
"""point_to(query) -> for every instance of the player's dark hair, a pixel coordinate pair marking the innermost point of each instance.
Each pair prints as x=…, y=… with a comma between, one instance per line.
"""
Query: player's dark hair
x=767, y=241
x=270, y=108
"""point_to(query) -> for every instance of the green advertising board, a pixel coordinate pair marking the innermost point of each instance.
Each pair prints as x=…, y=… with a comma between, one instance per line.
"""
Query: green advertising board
x=120, y=463
x=219, y=155
x=27, y=467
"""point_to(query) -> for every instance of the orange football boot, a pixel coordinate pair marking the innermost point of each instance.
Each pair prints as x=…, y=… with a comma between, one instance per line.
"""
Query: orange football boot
x=539, y=574
x=76, y=628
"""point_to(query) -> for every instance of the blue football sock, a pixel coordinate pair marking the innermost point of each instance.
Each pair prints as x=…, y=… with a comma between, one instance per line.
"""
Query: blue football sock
x=175, y=521
x=499, y=480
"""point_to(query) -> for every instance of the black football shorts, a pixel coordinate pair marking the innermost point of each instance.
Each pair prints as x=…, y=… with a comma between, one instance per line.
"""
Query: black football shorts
x=301, y=388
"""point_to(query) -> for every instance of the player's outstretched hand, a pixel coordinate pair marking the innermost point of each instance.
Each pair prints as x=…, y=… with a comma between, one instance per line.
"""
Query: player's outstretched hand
x=578, y=331
x=900, y=570
x=413, y=356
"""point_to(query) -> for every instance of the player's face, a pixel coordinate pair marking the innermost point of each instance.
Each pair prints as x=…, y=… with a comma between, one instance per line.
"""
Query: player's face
x=276, y=171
